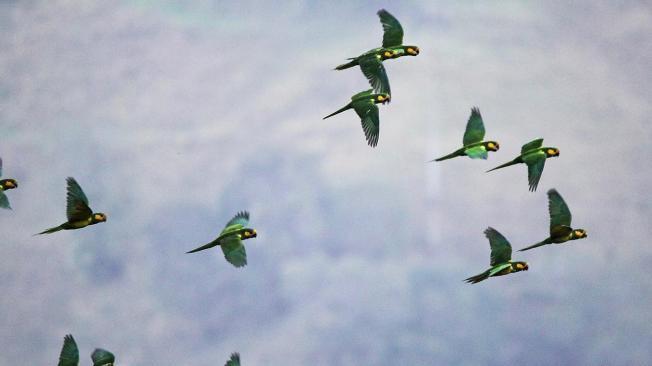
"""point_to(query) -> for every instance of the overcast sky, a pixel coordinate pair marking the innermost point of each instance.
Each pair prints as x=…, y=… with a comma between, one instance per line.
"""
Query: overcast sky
x=174, y=115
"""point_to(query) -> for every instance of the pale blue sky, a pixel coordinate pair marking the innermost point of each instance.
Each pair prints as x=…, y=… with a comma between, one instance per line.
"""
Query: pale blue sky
x=175, y=115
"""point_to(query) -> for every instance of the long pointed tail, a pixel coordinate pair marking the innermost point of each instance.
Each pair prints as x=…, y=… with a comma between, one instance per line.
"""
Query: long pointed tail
x=51, y=230
x=347, y=65
x=455, y=154
x=515, y=161
x=478, y=278
x=547, y=241
x=348, y=106
x=206, y=246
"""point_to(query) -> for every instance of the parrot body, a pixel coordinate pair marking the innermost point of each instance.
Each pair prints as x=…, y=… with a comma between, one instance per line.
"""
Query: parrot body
x=501, y=258
x=534, y=156
x=474, y=146
x=230, y=240
x=78, y=212
x=560, y=222
x=371, y=62
x=364, y=104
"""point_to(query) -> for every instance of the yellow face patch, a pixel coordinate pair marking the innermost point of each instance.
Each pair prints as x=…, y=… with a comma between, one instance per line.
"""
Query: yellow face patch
x=380, y=98
x=491, y=145
x=519, y=266
x=388, y=54
x=552, y=152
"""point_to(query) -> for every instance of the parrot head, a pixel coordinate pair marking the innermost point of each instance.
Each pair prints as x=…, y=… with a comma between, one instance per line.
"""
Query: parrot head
x=551, y=152
x=248, y=233
x=492, y=145
x=411, y=50
x=579, y=234
x=8, y=184
x=98, y=217
x=520, y=266
x=381, y=98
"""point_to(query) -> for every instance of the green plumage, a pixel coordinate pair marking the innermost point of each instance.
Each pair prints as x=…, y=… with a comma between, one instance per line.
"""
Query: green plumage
x=371, y=62
x=230, y=240
x=473, y=146
x=560, y=222
x=500, y=259
x=102, y=357
x=6, y=184
x=78, y=212
x=69, y=352
x=534, y=156
x=234, y=360
x=364, y=105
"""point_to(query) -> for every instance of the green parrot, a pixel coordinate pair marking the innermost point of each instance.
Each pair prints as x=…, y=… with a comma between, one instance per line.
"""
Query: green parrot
x=77, y=210
x=102, y=357
x=230, y=239
x=501, y=258
x=234, y=361
x=364, y=104
x=473, y=147
x=70, y=354
x=6, y=184
x=534, y=155
x=560, y=222
x=371, y=62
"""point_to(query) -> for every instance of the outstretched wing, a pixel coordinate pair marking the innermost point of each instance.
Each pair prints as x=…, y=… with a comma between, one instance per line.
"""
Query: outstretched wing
x=534, y=144
x=534, y=170
x=373, y=69
x=234, y=361
x=392, y=30
x=102, y=357
x=474, y=128
x=77, y=206
x=4, y=201
x=370, y=119
x=559, y=213
x=501, y=250
x=234, y=251
x=241, y=218
x=69, y=353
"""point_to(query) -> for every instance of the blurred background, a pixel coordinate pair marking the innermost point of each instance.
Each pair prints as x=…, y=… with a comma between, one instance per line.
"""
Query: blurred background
x=174, y=115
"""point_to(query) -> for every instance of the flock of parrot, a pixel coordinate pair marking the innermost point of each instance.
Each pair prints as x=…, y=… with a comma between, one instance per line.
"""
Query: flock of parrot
x=230, y=240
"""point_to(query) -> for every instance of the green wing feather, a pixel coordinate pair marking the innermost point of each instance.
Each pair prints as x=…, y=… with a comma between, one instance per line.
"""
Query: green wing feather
x=365, y=93
x=77, y=204
x=373, y=69
x=69, y=353
x=102, y=357
x=241, y=218
x=534, y=171
x=234, y=361
x=234, y=251
x=392, y=30
x=4, y=200
x=368, y=113
x=477, y=152
x=559, y=213
x=501, y=250
x=496, y=269
x=474, y=128
x=534, y=144
x=0, y=167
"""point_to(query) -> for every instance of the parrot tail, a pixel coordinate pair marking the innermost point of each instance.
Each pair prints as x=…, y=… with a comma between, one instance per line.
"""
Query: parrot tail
x=477, y=278
x=51, y=230
x=515, y=161
x=547, y=241
x=455, y=154
x=206, y=246
x=347, y=65
x=348, y=106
